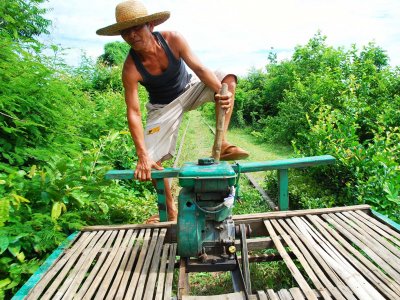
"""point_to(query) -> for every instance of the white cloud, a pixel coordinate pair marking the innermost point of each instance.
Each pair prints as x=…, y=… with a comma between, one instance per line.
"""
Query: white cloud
x=235, y=34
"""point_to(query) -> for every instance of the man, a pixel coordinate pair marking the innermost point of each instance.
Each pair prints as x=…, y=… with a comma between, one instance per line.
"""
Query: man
x=156, y=60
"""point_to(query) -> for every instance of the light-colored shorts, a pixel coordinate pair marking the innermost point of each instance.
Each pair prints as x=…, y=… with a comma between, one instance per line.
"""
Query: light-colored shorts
x=163, y=121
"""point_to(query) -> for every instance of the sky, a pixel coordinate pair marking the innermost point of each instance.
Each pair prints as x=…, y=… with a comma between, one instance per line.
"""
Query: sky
x=233, y=35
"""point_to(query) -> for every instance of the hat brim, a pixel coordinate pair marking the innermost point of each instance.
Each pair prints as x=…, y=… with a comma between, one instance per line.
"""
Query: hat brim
x=115, y=29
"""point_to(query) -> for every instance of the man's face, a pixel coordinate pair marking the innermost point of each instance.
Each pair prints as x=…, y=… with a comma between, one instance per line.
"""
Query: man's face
x=137, y=36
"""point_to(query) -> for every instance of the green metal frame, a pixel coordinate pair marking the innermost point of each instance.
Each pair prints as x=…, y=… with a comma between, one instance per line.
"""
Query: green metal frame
x=386, y=220
x=282, y=166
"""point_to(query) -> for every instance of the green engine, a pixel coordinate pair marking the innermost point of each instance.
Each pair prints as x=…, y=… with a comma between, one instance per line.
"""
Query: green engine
x=205, y=225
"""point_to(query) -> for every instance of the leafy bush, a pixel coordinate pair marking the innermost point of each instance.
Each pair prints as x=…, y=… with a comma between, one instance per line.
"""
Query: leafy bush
x=343, y=103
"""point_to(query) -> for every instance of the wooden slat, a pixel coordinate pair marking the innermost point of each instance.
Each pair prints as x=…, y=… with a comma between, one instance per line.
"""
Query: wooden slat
x=293, y=213
x=289, y=263
x=170, y=273
x=97, y=266
x=378, y=229
x=151, y=281
x=66, y=268
x=357, y=259
x=358, y=240
x=296, y=293
x=339, y=286
x=183, y=280
x=284, y=295
x=370, y=241
x=381, y=225
x=161, y=273
x=117, y=256
x=118, y=270
x=271, y=294
x=130, y=265
x=307, y=261
x=374, y=236
x=338, y=263
x=145, y=269
x=136, y=274
x=103, y=270
x=261, y=295
x=74, y=271
x=85, y=265
x=38, y=289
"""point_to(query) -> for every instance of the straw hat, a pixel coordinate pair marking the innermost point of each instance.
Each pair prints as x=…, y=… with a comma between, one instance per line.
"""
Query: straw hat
x=132, y=13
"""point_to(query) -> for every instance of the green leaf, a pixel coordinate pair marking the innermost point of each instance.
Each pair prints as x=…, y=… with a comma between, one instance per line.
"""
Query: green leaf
x=20, y=256
x=4, y=242
x=14, y=248
x=57, y=209
x=4, y=283
x=4, y=211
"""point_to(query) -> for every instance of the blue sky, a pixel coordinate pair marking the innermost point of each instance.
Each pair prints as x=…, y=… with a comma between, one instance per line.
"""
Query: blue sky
x=237, y=35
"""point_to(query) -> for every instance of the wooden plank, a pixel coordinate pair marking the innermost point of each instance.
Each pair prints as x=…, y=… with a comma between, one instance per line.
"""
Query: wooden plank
x=161, y=273
x=151, y=281
x=37, y=290
x=170, y=273
x=136, y=274
x=339, y=286
x=129, y=226
x=360, y=287
x=68, y=279
x=362, y=243
x=85, y=265
x=363, y=228
x=262, y=296
x=103, y=270
x=66, y=268
x=289, y=263
x=306, y=260
x=143, y=275
x=296, y=293
x=359, y=261
x=378, y=229
x=372, y=236
x=183, y=281
x=271, y=294
x=292, y=213
x=129, y=267
x=245, y=258
x=284, y=295
x=97, y=266
x=117, y=270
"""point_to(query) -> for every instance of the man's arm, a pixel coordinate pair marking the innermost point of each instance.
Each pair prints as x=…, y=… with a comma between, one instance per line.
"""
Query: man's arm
x=144, y=164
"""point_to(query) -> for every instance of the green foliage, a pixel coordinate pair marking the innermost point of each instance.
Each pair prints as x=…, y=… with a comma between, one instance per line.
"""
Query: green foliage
x=331, y=101
x=22, y=19
x=61, y=130
x=114, y=53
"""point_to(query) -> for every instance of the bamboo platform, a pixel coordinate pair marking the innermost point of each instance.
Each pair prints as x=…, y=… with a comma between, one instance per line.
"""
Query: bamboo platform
x=336, y=253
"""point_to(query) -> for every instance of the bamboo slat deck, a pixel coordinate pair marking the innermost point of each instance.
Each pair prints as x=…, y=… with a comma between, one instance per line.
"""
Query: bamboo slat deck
x=337, y=253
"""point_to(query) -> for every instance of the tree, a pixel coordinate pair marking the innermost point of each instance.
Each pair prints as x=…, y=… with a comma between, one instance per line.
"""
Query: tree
x=23, y=19
x=114, y=53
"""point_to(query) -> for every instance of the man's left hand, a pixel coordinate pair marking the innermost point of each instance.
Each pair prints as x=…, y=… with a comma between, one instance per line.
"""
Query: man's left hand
x=224, y=100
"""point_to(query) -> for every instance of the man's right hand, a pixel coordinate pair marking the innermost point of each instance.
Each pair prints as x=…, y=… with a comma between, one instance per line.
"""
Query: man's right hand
x=144, y=166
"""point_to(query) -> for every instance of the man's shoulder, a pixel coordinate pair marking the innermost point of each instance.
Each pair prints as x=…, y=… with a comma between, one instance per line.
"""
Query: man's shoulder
x=171, y=35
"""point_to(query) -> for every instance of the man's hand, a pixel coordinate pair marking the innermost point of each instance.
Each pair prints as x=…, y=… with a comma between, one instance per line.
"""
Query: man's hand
x=224, y=100
x=144, y=166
